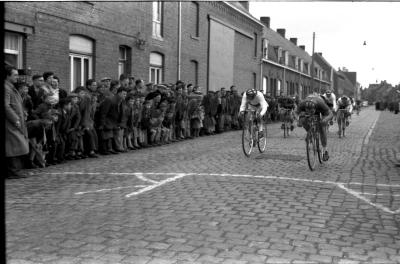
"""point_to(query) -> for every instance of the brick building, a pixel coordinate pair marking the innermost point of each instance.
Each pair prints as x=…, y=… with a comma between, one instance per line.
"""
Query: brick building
x=287, y=66
x=210, y=44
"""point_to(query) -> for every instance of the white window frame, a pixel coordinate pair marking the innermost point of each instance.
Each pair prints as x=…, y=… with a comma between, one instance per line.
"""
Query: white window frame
x=265, y=84
x=301, y=65
x=90, y=70
x=122, y=62
x=157, y=19
x=19, y=51
x=158, y=74
x=265, y=49
x=286, y=53
x=156, y=65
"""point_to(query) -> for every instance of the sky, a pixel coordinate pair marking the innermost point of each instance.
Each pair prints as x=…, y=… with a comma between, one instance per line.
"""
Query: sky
x=340, y=31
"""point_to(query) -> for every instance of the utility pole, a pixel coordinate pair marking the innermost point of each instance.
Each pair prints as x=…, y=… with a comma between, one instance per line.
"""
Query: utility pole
x=312, y=63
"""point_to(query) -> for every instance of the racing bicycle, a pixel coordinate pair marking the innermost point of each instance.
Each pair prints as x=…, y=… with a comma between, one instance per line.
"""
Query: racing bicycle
x=251, y=137
x=313, y=140
x=286, y=119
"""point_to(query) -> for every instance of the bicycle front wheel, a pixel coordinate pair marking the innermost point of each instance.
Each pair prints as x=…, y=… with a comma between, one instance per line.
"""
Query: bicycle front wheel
x=318, y=147
x=262, y=140
x=311, y=151
x=247, y=138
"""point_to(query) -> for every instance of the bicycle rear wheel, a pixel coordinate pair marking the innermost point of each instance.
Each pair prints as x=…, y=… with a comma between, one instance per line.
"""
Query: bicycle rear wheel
x=311, y=151
x=262, y=141
x=247, y=138
x=284, y=129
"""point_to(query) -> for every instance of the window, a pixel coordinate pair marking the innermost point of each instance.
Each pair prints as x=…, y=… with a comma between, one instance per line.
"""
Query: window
x=265, y=49
x=280, y=60
x=296, y=63
x=13, y=49
x=80, y=60
x=301, y=65
x=255, y=44
x=194, y=72
x=156, y=68
x=265, y=84
x=124, y=61
x=286, y=53
x=157, y=19
x=194, y=9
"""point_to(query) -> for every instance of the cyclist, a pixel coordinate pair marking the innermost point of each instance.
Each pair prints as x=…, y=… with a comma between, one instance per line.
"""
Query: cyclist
x=254, y=100
x=286, y=103
x=344, y=102
x=316, y=104
x=331, y=101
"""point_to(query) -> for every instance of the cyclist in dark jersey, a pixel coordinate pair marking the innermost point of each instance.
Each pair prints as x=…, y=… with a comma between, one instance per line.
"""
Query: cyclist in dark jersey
x=316, y=104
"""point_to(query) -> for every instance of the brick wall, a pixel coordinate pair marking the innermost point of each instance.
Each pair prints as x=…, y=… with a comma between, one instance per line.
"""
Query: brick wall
x=111, y=24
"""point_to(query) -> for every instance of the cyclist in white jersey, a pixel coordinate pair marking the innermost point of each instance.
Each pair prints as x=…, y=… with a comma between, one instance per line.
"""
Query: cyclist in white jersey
x=254, y=100
x=330, y=99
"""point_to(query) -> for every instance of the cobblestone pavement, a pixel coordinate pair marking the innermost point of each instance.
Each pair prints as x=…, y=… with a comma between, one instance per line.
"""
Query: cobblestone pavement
x=203, y=201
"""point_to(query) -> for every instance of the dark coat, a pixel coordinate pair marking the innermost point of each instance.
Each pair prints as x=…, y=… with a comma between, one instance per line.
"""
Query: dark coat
x=17, y=143
x=109, y=113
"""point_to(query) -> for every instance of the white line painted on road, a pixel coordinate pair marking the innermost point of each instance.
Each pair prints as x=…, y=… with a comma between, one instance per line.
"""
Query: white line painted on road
x=151, y=187
x=177, y=176
x=357, y=195
x=110, y=189
x=140, y=176
x=366, y=140
x=379, y=194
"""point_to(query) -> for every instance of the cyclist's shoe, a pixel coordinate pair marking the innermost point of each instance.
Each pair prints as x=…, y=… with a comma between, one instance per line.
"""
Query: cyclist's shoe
x=283, y=126
x=347, y=123
x=325, y=157
x=291, y=127
x=331, y=123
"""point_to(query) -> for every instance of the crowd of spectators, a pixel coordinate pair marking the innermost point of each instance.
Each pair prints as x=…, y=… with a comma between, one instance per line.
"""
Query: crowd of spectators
x=109, y=116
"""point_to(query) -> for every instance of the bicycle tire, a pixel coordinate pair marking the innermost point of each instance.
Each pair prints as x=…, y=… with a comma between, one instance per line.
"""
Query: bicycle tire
x=284, y=130
x=262, y=144
x=310, y=149
x=318, y=146
x=247, y=141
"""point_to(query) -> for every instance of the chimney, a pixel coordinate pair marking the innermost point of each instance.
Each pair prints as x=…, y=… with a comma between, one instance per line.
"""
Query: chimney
x=302, y=47
x=266, y=21
x=294, y=41
x=281, y=31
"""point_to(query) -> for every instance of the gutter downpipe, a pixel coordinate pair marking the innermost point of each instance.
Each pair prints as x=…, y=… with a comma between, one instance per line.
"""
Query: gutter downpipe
x=179, y=38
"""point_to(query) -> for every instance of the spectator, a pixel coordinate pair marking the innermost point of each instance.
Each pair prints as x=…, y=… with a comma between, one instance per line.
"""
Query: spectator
x=34, y=90
x=87, y=112
x=145, y=123
x=56, y=85
x=23, y=90
x=91, y=86
x=114, y=86
x=107, y=82
x=16, y=133
x=128, y=133
x=74, y=133
x=139, y=87
x=124, y=81
x=110, y=116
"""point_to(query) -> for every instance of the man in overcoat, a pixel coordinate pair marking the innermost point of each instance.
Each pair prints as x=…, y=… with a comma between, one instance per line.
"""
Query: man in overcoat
x=16, y=135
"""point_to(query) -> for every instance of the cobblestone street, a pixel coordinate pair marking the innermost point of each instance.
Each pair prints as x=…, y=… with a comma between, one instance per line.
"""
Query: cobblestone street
x=203, y=201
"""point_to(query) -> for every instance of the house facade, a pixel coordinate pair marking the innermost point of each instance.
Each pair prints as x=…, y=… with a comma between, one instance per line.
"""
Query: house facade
x=210, y=44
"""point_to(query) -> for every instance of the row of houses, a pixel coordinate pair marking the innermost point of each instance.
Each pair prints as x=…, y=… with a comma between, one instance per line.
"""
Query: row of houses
x=210, y=44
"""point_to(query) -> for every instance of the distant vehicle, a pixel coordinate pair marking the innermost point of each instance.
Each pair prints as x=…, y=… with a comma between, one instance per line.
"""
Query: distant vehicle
x=364, y=103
